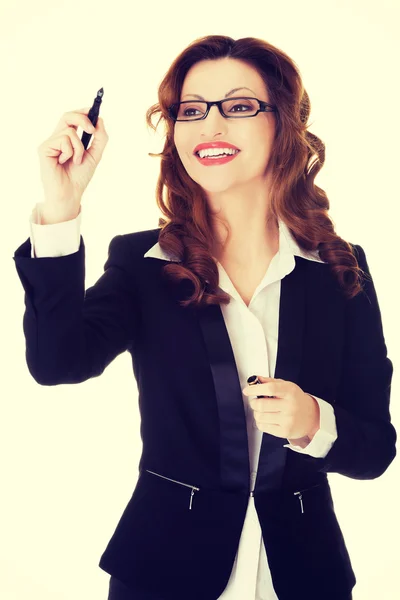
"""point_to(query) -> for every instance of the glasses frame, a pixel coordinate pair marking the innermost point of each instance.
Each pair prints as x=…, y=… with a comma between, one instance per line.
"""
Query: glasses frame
x=263, y=107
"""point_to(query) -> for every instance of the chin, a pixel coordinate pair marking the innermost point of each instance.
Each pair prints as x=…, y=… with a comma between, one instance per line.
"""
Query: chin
x=215, y=187
x=213, y=181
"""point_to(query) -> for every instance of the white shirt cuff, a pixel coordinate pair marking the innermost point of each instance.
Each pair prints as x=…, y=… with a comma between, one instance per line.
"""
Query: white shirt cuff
x=59, y=239
x=326, y=435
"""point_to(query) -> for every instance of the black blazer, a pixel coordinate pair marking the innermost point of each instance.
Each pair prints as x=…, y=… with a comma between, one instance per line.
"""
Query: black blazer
x=179, y=533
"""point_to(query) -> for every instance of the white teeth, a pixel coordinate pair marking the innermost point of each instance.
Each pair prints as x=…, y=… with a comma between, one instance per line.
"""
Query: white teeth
x=216, y=152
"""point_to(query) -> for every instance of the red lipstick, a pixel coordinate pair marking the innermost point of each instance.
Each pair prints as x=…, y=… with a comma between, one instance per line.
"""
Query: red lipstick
x=214, y=145
x=212, y=160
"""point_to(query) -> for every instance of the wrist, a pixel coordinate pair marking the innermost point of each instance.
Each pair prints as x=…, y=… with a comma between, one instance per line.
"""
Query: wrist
x=302, y=442
x=46, y=215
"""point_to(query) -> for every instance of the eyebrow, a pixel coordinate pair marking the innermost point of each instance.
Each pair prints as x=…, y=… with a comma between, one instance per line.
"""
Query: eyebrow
x=226, y=95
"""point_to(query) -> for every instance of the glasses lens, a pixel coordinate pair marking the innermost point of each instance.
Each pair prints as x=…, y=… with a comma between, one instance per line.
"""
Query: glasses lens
x=189, y=111
x=195, y=109
x=240, y=107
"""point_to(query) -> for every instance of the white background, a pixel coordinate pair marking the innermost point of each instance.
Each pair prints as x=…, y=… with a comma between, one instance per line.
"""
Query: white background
x=70, y=452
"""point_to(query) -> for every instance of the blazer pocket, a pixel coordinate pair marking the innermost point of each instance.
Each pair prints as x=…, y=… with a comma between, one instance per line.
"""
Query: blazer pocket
x=306, y=497
x=193, y=488
x=315, y=529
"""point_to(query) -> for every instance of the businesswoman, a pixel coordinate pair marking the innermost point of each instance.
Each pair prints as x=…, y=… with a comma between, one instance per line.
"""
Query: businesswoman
x=245, y=277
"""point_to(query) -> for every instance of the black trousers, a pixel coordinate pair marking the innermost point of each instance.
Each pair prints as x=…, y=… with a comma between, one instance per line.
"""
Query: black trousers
x=119, y=591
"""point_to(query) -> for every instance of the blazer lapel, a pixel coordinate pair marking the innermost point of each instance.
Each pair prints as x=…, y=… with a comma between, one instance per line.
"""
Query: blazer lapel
x=234, y=456
x=273, y=455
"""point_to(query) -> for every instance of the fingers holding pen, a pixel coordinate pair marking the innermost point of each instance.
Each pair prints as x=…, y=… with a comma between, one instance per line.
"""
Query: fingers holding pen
x=67, y=164
x=74, y=119
x=67, y=142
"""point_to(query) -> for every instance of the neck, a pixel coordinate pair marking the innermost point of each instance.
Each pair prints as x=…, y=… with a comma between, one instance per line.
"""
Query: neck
x=252, y=235
x=246, y=211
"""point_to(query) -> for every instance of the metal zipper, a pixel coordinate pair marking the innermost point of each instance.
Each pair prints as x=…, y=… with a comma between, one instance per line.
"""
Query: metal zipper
x=300, y=495
x=193, y=487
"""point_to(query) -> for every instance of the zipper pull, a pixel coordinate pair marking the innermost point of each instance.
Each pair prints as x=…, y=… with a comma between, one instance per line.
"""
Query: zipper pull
x=191, y=498
x=300, y=495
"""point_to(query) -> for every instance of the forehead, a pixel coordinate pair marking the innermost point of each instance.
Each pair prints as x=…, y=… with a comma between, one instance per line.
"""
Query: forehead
x=214, y=78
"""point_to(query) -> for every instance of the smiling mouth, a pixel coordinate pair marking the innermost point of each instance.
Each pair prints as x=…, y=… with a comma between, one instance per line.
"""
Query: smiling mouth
x=223, y=154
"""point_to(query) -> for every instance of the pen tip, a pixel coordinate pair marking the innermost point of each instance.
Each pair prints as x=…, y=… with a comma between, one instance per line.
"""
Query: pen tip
x=100, y=92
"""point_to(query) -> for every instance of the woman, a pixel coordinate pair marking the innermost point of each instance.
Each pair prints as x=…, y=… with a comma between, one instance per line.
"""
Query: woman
x=232, y=499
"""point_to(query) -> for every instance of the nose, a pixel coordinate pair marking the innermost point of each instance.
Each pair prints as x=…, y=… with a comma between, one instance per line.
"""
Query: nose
x=214, y=121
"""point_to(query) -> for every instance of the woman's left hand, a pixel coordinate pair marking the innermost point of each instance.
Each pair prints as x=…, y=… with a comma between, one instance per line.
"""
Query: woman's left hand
x=292, y=414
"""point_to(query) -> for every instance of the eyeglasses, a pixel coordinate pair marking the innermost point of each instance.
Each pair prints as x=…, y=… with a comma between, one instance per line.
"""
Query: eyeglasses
x=249, y=107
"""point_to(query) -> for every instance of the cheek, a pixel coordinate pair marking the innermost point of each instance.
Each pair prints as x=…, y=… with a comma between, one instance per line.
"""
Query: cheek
x=261, y=148
x=183, y=142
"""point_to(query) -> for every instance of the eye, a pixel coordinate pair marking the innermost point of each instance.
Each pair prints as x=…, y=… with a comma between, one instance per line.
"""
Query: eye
x=186, y=112
x=236, y=105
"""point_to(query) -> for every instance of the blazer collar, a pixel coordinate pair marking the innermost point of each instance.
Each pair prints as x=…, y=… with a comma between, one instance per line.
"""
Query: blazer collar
x=287, y=246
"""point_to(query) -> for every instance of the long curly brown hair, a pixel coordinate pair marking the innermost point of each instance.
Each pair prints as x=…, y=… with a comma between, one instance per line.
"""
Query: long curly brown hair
x=297, y=157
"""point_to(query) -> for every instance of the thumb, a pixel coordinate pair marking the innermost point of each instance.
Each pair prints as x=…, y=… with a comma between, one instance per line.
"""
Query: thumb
x=99, y=141
x=264, y=379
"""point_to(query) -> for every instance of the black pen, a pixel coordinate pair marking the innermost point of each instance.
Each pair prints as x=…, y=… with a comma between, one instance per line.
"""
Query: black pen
x=93, y=116
x=253, y=380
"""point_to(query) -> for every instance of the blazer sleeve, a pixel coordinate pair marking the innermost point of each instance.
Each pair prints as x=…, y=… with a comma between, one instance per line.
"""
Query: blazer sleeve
x=71, y=334
x=366, y=439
